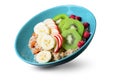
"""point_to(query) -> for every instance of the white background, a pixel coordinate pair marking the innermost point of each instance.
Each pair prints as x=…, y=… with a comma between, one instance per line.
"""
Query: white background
x=100, y=62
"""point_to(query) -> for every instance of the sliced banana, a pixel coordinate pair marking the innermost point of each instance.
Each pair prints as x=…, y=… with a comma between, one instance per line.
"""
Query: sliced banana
x=43, y=57
x=39, y=39
x=41, y=28
x=50, y=23
x=47, y=42
x=51, y=26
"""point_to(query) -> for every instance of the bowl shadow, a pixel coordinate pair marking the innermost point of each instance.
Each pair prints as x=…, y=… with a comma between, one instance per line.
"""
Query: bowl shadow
x=72, y=65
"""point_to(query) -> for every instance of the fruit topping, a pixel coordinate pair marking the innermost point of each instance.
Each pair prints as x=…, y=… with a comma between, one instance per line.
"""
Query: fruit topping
x=41, y=28
x=71, y=23
x=81, y=43
x=72, y=16
x=50, y=23
x=71, y=39
x=47, y=42
x=43, y=57
x=56, y=38
x=86, y=34
x=59, y=18
x=78, y=18
x=86, y=24
x=56, y=45
x=55, y=31
x=59, y=42
x=58, y=21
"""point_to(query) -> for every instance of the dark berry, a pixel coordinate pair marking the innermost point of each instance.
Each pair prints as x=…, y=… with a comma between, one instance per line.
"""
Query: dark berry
x=86, y=24
x=78, y=18
x=81, y=43
x=86, y=34
x=72, y=16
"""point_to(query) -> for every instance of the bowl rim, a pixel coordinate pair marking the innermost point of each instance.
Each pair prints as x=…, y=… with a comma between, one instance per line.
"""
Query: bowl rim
x=62, y=59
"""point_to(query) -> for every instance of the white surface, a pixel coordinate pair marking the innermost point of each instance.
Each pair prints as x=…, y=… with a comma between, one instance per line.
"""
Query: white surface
x=99, y=62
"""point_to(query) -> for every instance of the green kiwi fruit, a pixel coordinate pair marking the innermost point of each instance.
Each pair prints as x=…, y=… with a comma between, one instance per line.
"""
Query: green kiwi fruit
x=71, y=39
x=59, y=18
x=64, y=22
x=73, y=24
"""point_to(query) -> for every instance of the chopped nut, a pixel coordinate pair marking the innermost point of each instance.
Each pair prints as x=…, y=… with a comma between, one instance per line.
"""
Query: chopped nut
x=35, y=51
x=32, y=44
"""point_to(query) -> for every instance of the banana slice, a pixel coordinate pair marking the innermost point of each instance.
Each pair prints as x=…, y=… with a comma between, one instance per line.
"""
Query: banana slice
x=43, y=57
x=50, y=23
x=47, y=42
x=39, y=39
x=51, y=26
x=41, y=28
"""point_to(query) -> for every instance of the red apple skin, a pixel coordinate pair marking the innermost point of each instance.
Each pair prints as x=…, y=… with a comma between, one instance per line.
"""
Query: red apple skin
x=57, y=30
x=60, y=36
x=59, y=41
x=56, y=49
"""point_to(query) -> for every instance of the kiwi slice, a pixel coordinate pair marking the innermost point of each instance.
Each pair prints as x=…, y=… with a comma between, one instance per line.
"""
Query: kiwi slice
x=71, y=39
x=63, y=23
x=59, y=18
x=73, y=24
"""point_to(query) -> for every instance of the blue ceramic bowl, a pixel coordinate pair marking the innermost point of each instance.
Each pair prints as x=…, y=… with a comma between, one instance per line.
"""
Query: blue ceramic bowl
x=21, y=44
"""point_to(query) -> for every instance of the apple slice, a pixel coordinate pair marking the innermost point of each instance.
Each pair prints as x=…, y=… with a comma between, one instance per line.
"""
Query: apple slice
x=57, y=45
x=54, y=31
x=52, y=26
x=57, y=28
x=60, y=39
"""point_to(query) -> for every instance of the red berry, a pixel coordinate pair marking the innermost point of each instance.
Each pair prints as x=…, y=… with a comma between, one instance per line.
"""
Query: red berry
x=86, y=34
x=72, y=16
x=81, y=43
x=86, y=24
x=78, y=18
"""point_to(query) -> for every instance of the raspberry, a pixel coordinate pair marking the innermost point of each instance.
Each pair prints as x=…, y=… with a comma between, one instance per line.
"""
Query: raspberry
x=81, y=43
x=72, y=16
x=86, y=24
x=78, y=18
x=86, y=34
